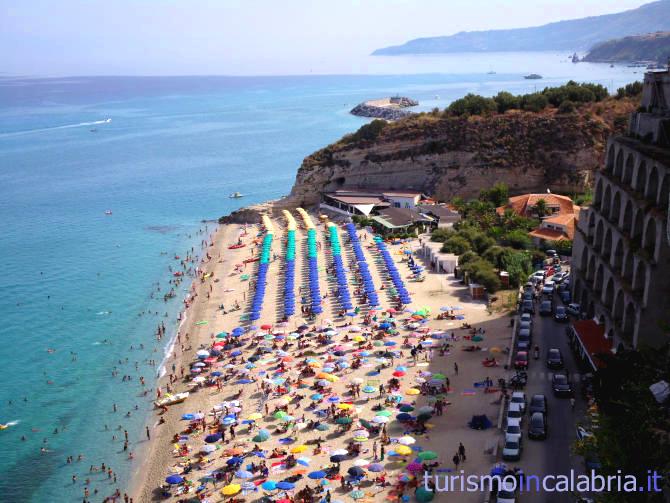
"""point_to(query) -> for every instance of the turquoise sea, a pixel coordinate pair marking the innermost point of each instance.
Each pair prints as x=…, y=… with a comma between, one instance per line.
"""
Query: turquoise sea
x=174, y=149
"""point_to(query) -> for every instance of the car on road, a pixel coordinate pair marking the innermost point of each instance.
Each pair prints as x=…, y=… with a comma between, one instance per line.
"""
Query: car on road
x=527, y=306
x=574, y=309
x=525, y=325
x=521, y=360
x=545, y=308
x=523, y=340
x=565, y=296
x=554, y=358
x=538, y=403
x=537, y=426
x=560, y=314
x=561, y=385
x=512, y=450
x=520, y=398
x=514, y=414
x=526, y=318
x=527, y=295
x=506, y=493
x=559, y=277
x=548, y=288
x=513, y=432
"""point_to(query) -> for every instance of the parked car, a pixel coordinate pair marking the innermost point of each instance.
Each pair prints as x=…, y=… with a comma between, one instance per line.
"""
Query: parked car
x=554, y=358
x=537, y=426
x=512, y=450
x=541, y=274
x=545, y=308
x=527, y=306
x=566, y=297
x=506, y=493
x=527, y=295
x=551, y=253
x=559, y=277
x=574, y=310
x=523, y=340
x=521, y=360
x=514, y=414
x=520, y=398
x=561, y=385
x=525, y=317
x=560, y=314
x=538, y=403
x=513, y=431
x=524, y=325
x=583, y=433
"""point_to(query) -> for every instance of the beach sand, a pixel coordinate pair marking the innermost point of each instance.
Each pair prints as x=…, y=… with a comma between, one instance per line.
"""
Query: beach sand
x=444, y=433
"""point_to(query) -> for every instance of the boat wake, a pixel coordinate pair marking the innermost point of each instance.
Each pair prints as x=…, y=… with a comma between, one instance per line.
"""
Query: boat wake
x=54, y=128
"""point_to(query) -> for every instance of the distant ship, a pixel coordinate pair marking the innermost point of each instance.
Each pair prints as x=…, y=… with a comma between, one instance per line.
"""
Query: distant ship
x=235, y=195
x=533, y=76
x=108, y=212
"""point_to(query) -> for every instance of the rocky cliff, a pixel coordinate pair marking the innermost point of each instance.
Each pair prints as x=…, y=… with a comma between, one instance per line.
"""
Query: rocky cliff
x=458, y=156
x=649, y=47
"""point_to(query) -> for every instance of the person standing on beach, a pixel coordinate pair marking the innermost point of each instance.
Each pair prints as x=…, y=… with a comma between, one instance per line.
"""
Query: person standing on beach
x=456, y=368
x=148, y=434
x=461, y=451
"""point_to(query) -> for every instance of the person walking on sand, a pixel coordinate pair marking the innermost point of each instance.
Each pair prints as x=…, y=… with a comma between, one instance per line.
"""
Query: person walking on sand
x=382, y=451
x=456, y=368
x=456, y=459
x=461, y=451
x=148, y=434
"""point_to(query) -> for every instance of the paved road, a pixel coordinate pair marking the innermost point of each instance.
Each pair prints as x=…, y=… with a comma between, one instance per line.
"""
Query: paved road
x=554, y=455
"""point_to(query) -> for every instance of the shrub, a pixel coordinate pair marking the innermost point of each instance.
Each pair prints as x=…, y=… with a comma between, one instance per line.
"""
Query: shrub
x=629, y=90
x=456, y=245
x=517, y=239
x=367, y=132
x=441, y=235
x=506, y=101
x=535, y=102
x=467, y=257
x=498, y=194
x=472, y=104
x=566, y=107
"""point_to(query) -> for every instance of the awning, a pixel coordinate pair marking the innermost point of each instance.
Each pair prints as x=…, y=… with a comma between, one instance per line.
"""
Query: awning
x=592, y=341
x=388, y=224
x=364, y=208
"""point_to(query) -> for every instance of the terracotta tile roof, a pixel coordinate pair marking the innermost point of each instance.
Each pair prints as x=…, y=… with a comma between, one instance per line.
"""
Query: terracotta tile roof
x=593, y=340
x=522, y=205
x=548, y=234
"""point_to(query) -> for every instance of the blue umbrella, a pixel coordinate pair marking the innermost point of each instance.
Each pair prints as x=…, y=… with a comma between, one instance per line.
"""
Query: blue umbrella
x=214, y=437
x=285, y=486
x=244, y=474
x=319, y=474
x=235, y=460
x=269, y=485
x=174, y=479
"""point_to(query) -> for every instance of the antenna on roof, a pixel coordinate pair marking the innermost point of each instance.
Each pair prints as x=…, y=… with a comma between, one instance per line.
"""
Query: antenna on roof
x=548, y=191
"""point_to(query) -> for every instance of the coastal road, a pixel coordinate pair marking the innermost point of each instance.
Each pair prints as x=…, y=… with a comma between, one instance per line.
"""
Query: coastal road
x=554, y=455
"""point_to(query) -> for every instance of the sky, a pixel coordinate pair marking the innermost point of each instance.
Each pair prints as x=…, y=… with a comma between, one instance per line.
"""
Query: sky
x=244, y=37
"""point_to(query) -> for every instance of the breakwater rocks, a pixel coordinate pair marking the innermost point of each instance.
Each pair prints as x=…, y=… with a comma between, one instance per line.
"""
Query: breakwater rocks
x=389, y=109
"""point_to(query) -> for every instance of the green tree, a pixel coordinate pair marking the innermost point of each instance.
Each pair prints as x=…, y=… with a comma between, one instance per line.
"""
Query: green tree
x=506, y=101
x=456, y=245
x=518, y=239
x=541, y=207
x=441, y=235
x=497, y=195
x=472, y=104
x=535, y=102
x=566, y=107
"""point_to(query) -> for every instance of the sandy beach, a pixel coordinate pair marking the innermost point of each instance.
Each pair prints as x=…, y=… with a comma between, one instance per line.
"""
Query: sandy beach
x=278, y=380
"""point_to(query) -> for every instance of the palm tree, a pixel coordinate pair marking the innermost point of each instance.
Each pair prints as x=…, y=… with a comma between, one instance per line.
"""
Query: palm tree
x=541, y=207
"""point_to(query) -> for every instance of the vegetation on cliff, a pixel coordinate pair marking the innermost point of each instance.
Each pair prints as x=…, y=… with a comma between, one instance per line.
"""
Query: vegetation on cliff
x=649, y=47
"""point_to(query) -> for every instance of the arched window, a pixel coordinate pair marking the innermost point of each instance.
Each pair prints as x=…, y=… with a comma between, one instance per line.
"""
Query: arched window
x=609, y=294
x=640, y=279
x=607, y=201
x=627, y=222
x=628, y=267
x=650, y=237
x=618, y=311
x=629, y=321
x=616, y=208
x=585, y=258
x=638, y=227
x=641, y=178
x=628, y=171
x=600, y=276
x=609, y=166
x=617, y=256
x=652, y=186
x=591, y=271
x=664, y=195
x=598, y=197
x=600, y=231
x=607, y=246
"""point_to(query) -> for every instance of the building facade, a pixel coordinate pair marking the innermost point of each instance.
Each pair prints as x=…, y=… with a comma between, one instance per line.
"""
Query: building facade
x=621, y=250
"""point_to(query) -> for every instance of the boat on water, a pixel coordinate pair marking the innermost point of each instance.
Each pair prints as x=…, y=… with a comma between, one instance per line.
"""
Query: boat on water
x=235, y=195
x=172, y=399
x=532, y=76
x=108, y=212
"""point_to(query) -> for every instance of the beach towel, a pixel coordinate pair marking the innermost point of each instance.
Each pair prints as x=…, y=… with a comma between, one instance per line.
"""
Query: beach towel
x=468, y=392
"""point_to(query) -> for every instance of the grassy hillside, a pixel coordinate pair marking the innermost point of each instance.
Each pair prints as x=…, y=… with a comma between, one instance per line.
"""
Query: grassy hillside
x=650, y=47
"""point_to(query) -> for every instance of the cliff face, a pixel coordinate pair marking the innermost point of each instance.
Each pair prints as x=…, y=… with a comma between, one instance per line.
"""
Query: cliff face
x=650, y=47
x=456, y=156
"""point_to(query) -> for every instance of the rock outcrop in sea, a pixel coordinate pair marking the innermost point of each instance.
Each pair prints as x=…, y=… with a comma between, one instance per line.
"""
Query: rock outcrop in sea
x=390, y=109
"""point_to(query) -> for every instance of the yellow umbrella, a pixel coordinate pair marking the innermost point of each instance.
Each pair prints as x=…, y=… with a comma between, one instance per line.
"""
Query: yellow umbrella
x=403, y=450
x=359, y=338
x=231, y=489
x=298, y=449
x=345, y=406
x=314, y=364
x=413, y=391
x=254, y=416
x=328, y=377
x=494, y=350
x=284, y=400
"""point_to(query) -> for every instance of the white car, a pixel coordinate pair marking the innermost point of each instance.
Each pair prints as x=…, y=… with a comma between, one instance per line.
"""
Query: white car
x=513, y=432
x=506, y=494
x=512, y=450
x=514, y=414
x=520, y=398
x=526, y=318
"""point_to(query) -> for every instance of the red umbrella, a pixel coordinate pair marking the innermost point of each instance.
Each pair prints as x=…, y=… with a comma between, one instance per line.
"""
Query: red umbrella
x=266, y=327
x=391, y=310
x=397, y=373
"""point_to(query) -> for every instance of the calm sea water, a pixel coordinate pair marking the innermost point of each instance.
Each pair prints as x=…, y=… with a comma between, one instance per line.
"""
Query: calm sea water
x=173, y=151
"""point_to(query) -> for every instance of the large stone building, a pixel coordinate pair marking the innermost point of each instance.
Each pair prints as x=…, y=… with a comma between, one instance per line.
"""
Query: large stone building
x=621, y=252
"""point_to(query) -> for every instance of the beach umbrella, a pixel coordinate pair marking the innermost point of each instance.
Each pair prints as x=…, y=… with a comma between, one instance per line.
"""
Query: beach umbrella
x=406, y=408
x=423, y=495
x=319, y=474
x=406, y=440
x=214, y=437
x=357, y=380
x=298, y=449
x=285, y=486
x=427, y=455
x=380, y=419
x=174, y=479
x=375, y=467
x=414, y=467
x=357, y=494
x=477, y=338
x=269, y=485
x=403, y=450
x=322, y=427
x=337, y=458
x=344, y=420
x=404, y=416
x=369, y=389
x=344, y=406
x=231, y=489
x=244, y=474
x=208, y=449
x=356, y=471
x=316, y=397
x=255, y=416
x=234, y=461
x=385, y=413
x=361, y=462
x=413, y=391
x=280, y=414
x=261, y=436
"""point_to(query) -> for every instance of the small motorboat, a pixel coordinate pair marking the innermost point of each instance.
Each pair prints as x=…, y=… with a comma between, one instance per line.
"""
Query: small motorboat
x=235, y=195
x=533, y=76
x=108, y=212
x=235, y=247
x=172, y=399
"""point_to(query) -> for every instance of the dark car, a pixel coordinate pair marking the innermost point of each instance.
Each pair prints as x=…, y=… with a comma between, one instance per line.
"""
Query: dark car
x=561, y=385
x=527, y=306
x=545, y=308
x=537, y=426
x=565, y=296
x=538, y=403
x=527, y=295
x=554, y=359
x=560, y=314
x=521, y=360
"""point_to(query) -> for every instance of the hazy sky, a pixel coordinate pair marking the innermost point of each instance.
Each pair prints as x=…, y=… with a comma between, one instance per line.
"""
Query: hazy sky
x=172, y=37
